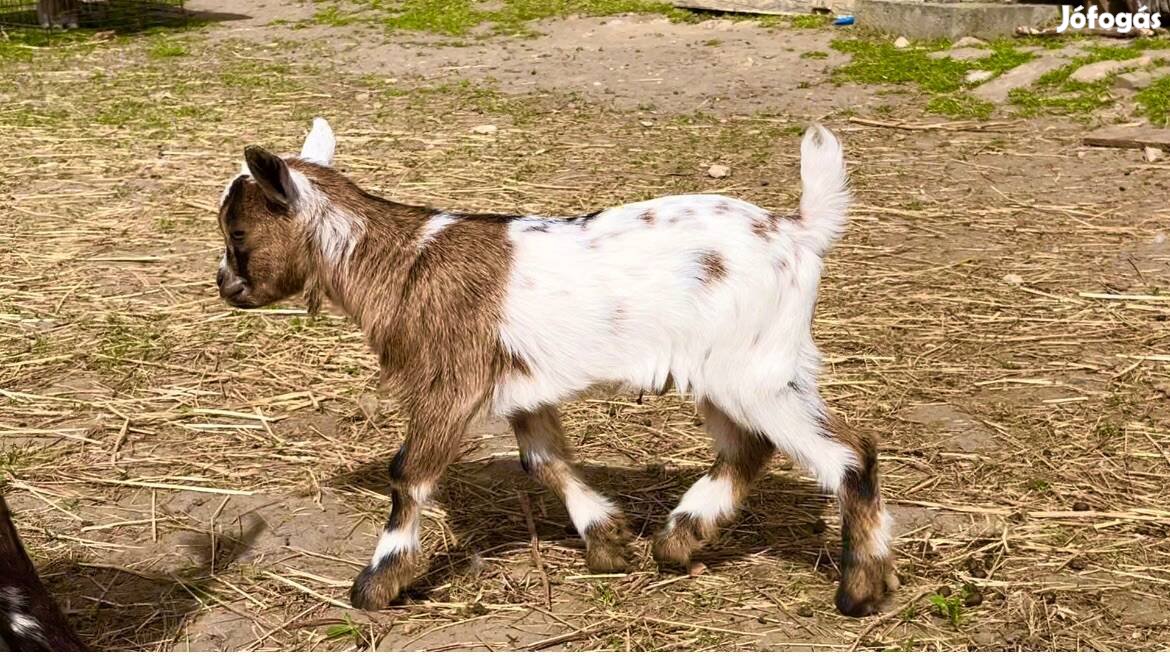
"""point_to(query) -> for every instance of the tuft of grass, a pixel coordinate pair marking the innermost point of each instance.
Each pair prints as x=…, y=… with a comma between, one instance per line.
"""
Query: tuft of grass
x=165, y=49
x=814, y=54
x=949, y=608
x=810, y=21
x=1154, y=102
x=960, y=105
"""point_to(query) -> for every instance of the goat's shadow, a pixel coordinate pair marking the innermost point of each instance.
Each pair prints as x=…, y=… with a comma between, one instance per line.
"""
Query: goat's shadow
x=122, y=16
x=781, y=518
x=125, y=609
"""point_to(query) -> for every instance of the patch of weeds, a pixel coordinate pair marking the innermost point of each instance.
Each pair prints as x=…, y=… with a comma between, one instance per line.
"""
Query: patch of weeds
x=960, y=105
x=948, y=608
x=163, y=48
x=879, y=62
x=814, y=54
x=810, y=21
x=346, y=629
x=460, y=17
x=272, y=78
x=605, y=595
x=1038, y=485
x=122, y=340
x=1056, y=93
x=1154, y=102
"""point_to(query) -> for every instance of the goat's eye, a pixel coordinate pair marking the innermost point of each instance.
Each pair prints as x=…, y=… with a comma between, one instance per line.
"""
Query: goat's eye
x=237, y=235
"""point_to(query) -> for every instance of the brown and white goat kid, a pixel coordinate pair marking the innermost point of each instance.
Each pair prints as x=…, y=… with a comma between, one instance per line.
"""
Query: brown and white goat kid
x=520, y=313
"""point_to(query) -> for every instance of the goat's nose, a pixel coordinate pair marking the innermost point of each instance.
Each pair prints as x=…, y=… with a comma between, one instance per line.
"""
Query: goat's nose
x=231, y=289
x=219, y=276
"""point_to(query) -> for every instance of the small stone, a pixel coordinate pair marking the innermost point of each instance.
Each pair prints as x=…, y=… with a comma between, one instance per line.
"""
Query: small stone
x=819, y=527
x=719, y=171
x=978, y=573
x=969, y=42
x=1153, y=154
x=696, y=569
x=362, y=97
x=646, y=124
x=1136, y=80
x=1080, y=506
x=901, y=43
x=487, y=128
x=943, y=591
x=804, y=611
x=978, y=76
x=1013, y=279
x=1077, y=564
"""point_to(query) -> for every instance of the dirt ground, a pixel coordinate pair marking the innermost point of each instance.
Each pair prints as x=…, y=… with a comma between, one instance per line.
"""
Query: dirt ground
x=192, y=477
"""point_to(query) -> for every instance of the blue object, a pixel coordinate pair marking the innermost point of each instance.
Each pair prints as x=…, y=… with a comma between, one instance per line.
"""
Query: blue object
x=843, y=20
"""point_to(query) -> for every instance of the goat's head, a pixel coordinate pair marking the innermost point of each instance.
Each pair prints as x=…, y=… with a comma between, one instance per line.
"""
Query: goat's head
x=263, y=217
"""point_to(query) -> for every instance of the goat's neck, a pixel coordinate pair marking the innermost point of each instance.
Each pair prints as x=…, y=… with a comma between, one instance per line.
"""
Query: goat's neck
x=364, y=249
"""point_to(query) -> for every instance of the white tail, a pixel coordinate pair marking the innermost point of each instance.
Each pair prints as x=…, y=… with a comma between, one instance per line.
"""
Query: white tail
x=824, y=200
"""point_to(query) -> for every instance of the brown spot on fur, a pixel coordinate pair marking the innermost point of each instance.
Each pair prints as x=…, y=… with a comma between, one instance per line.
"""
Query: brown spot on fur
x=714, y=268
x=648, y=217
x=722, y=207
x=766, y=226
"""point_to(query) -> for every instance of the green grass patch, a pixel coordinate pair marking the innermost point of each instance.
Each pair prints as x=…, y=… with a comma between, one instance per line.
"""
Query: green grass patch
x=1154, y=102
x=1056, y=93
x=164, y=48
x=460, y=17
x=960, y=105
x=814, y=54
x=879, y=62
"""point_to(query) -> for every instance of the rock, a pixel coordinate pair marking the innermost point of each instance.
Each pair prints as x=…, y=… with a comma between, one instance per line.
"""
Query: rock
x=646, y=124
x=1153, y=154
x=718, y=171
x=1023, y=75
x=368, y=405
x=1100, y=70
x=978, y=76
x=901, y=43
x=1013, y=279
x=485, y=129
x=960, y=54
x=969, y=42
x=1136, y=80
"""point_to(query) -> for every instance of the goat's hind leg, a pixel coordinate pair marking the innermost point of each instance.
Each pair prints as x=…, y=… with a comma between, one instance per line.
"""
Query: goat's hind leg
x=546, y=455
x=844, y=462
x=712, y=500
x=431, y=444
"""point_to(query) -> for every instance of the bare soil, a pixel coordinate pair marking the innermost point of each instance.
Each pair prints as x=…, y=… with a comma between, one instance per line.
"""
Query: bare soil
x=193, y=477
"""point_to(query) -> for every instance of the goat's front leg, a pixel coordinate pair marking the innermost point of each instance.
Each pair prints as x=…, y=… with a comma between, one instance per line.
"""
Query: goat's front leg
x=431, y=444
x=546, y=455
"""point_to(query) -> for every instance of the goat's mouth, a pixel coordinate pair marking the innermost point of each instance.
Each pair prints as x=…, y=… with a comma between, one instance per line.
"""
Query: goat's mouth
x=237, y=294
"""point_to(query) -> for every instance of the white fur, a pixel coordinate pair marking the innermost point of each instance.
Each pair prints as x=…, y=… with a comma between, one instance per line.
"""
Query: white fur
x=621, y=299
x=709, y=499
x=881, y=546
x=401, y=540
x=25, y=625
x=586, y=507
x=319, y=144
x=335, y=231
x=433, y=227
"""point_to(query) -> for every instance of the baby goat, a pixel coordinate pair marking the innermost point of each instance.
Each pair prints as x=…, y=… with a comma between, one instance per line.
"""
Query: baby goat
x=520, y=313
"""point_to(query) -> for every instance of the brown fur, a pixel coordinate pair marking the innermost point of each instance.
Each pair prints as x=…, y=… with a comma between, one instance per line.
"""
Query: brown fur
x=867, y=579
x=547, y=456
x=648, y=217
x=714, y=268
x=741, y=457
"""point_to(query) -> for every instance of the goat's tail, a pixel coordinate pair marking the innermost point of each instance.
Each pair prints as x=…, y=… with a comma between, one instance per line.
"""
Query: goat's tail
x=824, y=199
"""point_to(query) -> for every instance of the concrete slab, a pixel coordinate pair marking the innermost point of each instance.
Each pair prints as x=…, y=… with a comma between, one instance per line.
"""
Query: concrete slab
x=1098, y=71
x=951, y=20
x=1024, y=75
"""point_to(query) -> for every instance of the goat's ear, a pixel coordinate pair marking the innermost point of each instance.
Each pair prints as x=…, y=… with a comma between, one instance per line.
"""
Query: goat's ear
x=272, y=174
x=320, y=143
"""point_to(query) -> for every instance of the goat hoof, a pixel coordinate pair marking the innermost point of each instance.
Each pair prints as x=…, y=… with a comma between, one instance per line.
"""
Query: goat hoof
x=674, y=546
x=866, y=586
x=607, y=546
x=378, y=586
